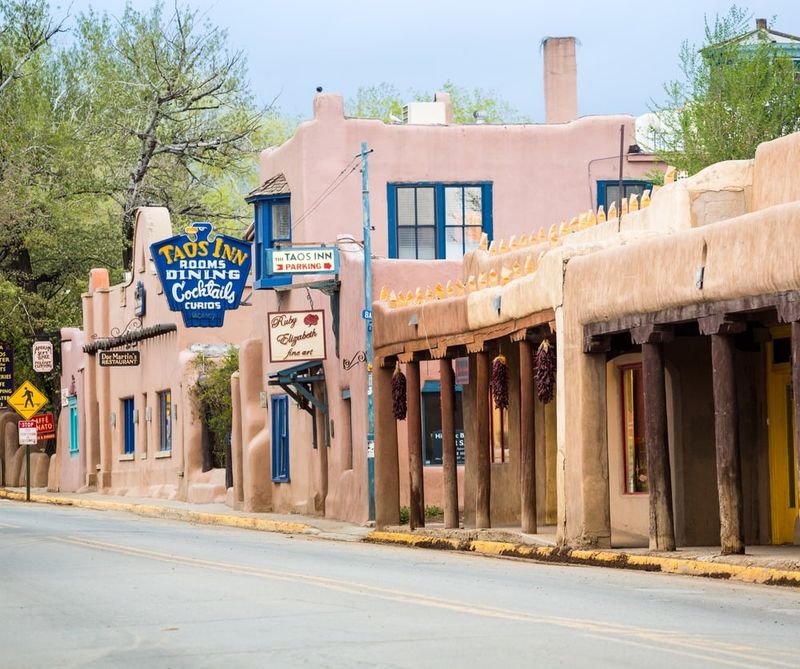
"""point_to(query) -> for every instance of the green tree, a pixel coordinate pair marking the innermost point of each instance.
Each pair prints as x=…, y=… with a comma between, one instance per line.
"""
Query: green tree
x=384, y=101
x=211, y=394
x=734, y=94
x=167, y=107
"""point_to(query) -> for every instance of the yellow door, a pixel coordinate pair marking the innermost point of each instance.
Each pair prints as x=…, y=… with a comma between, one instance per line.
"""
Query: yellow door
x=782, y=437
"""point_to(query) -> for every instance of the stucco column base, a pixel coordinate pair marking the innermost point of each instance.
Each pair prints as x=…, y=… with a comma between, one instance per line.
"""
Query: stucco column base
x=586, y=517
x=257, y=492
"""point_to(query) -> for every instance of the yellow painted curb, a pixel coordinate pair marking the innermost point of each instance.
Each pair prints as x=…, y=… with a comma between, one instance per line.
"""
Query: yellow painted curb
x=170, y=513
x=599, y=558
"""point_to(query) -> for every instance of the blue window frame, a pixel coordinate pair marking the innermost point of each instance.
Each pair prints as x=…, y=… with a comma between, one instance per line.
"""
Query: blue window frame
x=74, y=447
x=433, y=220
x=273, y=227
x=608, y=190
x=128, y=427
x=280, y=438
x=165, y=420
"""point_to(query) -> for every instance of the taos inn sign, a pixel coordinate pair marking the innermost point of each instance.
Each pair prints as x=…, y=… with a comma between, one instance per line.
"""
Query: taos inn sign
x=203, y=275
x=303, y=260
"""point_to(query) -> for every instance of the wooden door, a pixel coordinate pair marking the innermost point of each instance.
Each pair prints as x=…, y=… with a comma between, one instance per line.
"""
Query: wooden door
x=782, y=438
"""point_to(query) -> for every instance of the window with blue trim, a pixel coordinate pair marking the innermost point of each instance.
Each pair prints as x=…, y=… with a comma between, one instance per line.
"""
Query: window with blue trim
x=165, y=420
x=128, y=426
x=430, y=221
x=608, y=191
x=432, y=423
x=273, y=227
x=280, y=438
x=74, y=447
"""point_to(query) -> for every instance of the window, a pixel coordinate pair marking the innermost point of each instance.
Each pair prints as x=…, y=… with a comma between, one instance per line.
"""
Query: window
x=608, y=191
x=165, y=420
x=73, y=425
x=273, y=227
x=430, y=221
x=128, y=426
x=280, y=438
x=635, y=454
x=432, y=424
x=347, y=437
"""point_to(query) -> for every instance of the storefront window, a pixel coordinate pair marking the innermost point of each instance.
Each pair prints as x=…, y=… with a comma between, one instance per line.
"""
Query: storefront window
x=633, y=430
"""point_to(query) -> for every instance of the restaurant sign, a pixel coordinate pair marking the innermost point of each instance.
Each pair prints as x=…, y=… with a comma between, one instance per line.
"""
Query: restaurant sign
x=119, y=358
x=295, y=336
x=203, y=274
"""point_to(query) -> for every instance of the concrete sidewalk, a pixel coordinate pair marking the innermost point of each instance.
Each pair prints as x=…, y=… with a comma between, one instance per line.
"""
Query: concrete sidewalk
x=770, y=565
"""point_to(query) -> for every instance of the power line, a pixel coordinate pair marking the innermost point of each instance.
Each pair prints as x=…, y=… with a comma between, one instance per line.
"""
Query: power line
x=338, y=180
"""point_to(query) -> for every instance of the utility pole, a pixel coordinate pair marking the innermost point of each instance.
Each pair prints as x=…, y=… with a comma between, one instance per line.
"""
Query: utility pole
x=367, y=316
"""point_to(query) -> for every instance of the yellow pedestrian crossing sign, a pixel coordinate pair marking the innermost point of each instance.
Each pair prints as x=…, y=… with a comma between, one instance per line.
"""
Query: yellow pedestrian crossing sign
x=27, y=400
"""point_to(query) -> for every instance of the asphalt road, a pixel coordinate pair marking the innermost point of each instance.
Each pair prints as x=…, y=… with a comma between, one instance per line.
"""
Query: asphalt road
x=83, y=588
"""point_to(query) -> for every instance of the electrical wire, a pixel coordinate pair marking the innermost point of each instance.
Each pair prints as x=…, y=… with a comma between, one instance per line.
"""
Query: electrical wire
x=338, y=180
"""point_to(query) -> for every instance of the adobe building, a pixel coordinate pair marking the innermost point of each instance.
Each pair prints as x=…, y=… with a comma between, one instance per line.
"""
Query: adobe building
x=677, y=332
x=129, y=425
x=434, y=189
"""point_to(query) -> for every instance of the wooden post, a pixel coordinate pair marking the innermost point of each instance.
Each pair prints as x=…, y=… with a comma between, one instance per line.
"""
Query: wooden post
x=449, y=470
x=726, y=433
x=659, y=479
x=796, y=393
x=387, y=473
x=484, y=465
x=416, y=516
x=527, y=439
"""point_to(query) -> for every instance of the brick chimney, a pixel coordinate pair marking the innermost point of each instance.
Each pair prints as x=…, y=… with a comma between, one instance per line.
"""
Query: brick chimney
x=761, y=24
x=560, y=80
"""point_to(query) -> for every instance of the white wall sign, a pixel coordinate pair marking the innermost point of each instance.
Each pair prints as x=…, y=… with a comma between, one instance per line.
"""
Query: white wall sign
x=303, y=260
x=42, y=356
x=295, y=336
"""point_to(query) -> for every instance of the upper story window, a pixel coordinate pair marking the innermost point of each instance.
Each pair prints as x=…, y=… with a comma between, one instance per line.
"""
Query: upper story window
x=272, y=226
x=608, y=191
x=430, y=221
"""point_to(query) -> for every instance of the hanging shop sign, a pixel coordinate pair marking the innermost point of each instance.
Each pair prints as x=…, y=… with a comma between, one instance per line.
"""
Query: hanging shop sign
x=6, y=374
x=203, y=274
x=295, y=336
x=42, y=356
x=303, y=260
x=119, y=358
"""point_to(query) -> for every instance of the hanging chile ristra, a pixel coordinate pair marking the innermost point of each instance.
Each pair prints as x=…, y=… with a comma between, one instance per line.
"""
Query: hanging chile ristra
x=499, y=382
x=545, y=372
x=399, y=396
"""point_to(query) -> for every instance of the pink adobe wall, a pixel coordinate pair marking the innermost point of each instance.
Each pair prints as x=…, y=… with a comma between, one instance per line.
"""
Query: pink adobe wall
x=71, y=468
x=540, y=174
x=165, y=364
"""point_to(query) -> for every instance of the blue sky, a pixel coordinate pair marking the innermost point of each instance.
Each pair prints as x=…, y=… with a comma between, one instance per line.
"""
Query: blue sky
x=626, y=51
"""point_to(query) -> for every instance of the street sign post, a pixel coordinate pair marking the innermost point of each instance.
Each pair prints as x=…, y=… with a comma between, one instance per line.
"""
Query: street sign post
x=27, y=400
x=42, y=356
x=28, y=434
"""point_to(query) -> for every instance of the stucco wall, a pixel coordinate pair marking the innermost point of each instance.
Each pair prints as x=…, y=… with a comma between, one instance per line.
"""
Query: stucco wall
x=166, y=364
